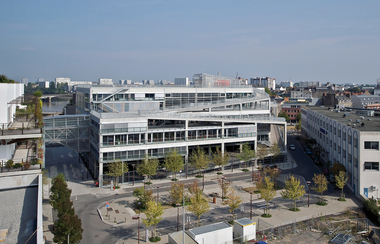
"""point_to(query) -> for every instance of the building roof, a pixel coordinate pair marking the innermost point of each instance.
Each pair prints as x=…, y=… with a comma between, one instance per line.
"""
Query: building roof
x=350, y=117
x=244, y=222
x=209, y=228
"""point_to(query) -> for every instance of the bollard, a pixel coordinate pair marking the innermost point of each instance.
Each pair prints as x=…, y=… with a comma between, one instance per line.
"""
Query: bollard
x=125, y=220
x=115, y=220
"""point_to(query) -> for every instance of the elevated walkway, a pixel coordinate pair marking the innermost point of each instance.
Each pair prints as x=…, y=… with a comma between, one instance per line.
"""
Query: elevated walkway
x=69, y=130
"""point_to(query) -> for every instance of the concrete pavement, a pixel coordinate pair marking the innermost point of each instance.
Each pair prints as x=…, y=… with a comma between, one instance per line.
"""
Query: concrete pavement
x=120, y=211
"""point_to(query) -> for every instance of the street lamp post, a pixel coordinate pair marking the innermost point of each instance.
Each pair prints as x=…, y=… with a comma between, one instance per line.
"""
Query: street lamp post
x=308, y=196
x=133, y=177
x=223, y=188
x=251, y=202
x=252, y=169
x=178, y=215
x=158, y=199
x=203, y=178
x=138, y=228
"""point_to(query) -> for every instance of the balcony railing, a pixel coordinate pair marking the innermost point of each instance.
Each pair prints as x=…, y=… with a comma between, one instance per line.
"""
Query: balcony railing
x=17, y=128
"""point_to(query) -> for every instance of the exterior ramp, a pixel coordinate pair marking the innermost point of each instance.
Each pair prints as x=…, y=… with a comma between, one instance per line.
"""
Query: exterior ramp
x=72, y=131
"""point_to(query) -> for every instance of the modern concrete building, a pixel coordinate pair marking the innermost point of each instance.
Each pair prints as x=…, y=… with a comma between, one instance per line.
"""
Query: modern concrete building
x=182, y=81
x=350, y=138
x=105, y=81
x=286, y=84
x=309, y=84
x=128, y=123
x=301, y=94
x=43, y=84
x=263, y=82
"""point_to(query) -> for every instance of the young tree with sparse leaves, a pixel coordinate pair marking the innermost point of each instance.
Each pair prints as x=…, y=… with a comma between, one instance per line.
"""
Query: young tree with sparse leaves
x=341, y=180
x=117, y=169
x=173, y=162
x=266, y=192
x=148, y=166
x=220, y=159
x=153, y=215
x=199, y=159
x=261, y=153
x=275, y=150
x=233, y=201
x=199, y=205
x=293, y=190
x=320, y=185
x=246, y=154
x=176, y=192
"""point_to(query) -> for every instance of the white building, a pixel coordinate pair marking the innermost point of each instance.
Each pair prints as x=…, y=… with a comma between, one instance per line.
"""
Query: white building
x=125, y=82
x=43, y=84
x=24, y=81
x=61, y=80
x=10, y=92
x=105, y=81
x=182, y=81
x=286, y=84
x=350, y=139
x=128, y=123
x=309, y=84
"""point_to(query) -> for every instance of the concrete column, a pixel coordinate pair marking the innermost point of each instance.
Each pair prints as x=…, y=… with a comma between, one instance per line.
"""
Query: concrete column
x=186, y=130
x=222, y=129
x=100, y=178
x=222, y=148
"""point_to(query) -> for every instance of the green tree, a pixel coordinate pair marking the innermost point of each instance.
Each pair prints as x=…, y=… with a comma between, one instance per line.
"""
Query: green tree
x=4, y=79
x=176, y=192
x=220, y=159
x=59, y=191
x=173, y=162
x=153, y=215
x=45, y=177
x=261, y=153
x=293, y=190
x=199, y=159
x=298, y=125
x=199, y=205
x=148, y=166
x=233, y=201
x=117, y=169
x=298, y=117
x=68, y=227
x=246, y=154
x=341, y=180
x=284, y=115
x=320, y=185
x=337, y=167
x=143, y=197
x=266, y=192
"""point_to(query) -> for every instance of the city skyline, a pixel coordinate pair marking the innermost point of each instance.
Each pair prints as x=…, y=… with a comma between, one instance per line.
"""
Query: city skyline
x=322, y=41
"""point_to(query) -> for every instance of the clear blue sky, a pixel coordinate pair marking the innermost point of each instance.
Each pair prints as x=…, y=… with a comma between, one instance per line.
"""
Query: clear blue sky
x=329, y=41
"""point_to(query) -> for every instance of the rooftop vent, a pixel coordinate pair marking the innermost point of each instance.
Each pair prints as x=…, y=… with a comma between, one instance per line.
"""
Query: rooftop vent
x=349, y=124
x=363, y=124
x=369, y=119
x=350, y=120
x=353, y=125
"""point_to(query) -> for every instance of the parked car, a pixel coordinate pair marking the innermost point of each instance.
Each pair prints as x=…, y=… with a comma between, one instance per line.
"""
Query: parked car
x=298, y=138
x=325, y=171
x=308, y=151
x=292, y=147
x=331, y=178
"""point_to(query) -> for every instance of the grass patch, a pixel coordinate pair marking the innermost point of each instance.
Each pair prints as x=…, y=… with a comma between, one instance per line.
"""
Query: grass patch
x=148, y=183
x=155, y=239
x=294, y=209
x=266, y=215
x=342, y=199
x=231, y=222
x=117, y=187
x=174, y=179
x=245, y=170
x=219, y=173
x=198, y=176
x=322, y=203
x=252, y=188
